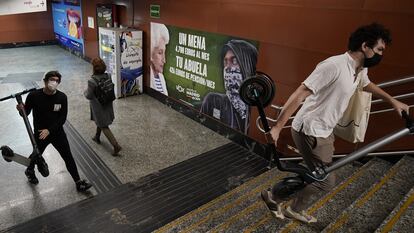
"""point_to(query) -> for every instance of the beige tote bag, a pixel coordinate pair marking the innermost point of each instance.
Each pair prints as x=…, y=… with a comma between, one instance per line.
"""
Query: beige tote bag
x=354, y=123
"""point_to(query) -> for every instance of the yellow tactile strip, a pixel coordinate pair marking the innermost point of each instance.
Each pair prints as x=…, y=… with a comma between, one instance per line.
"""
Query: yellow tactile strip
x=337, y=224
x=265, y=176
x=316, y=206
x=396, y=216
x=231, y=205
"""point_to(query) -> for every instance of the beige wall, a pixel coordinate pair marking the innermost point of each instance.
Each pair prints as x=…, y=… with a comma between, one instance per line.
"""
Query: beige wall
x=29, y=27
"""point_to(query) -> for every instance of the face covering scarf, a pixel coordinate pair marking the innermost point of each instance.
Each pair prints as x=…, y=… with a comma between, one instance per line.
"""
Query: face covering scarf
x=232, y=81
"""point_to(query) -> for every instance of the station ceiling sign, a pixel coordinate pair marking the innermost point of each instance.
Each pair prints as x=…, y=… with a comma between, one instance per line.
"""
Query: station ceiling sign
x=11, y=7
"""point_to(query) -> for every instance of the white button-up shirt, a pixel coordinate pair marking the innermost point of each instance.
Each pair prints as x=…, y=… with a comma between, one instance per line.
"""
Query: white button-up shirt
x=332, y=83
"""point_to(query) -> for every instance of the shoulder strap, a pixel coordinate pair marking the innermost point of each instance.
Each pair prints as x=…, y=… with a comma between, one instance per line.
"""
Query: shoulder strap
x=95, y=79
x=359, y=80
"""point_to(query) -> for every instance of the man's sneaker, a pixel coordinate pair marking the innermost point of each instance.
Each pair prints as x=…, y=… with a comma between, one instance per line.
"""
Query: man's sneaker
x=42, y=166
x=302, y=216
x=273, y=206
x=30, y=174
x=83, y=185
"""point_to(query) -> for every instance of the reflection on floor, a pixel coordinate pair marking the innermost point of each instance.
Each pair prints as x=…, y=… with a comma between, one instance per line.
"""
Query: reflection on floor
x=152, y=135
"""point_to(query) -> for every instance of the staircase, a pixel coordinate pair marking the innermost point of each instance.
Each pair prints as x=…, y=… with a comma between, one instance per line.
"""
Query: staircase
x=219, y=191
x=375, y=197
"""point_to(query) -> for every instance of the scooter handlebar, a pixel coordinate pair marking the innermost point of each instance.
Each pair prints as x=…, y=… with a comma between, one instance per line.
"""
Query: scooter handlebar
x=406, y=116
x=408, y=121
x=16, y=94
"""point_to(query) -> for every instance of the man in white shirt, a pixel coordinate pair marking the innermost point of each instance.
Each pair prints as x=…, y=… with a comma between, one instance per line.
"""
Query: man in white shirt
x=326, y=94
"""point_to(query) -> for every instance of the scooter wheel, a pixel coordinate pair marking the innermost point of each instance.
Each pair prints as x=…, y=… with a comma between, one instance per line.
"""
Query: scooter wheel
x=288, y=187
x=7, y=152
x=260, y=86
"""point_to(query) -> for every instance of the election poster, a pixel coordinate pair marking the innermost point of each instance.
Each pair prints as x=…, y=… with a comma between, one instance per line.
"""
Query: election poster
x=203, y=70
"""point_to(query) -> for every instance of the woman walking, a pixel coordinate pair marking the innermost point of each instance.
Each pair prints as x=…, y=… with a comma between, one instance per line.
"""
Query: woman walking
x=102, y=114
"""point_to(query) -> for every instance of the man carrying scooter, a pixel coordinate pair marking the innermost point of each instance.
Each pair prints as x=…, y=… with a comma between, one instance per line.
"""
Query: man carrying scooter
x=50, y=110
x=325, y=94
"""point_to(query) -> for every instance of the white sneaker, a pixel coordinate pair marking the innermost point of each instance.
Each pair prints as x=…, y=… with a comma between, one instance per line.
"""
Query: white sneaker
x=302, y=216
x=274, y=207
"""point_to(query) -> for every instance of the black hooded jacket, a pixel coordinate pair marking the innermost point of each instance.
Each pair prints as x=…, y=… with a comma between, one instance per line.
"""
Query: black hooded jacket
x=218, y=105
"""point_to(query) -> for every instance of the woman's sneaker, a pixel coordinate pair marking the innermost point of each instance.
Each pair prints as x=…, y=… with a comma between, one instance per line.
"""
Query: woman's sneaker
x=302, y=216
x=30, y=174
x=273, y=206
x=83, y=185
x=117, y=149
x=96, y=139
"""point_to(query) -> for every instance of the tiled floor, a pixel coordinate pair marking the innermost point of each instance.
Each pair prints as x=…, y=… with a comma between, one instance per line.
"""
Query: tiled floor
x=152, y=135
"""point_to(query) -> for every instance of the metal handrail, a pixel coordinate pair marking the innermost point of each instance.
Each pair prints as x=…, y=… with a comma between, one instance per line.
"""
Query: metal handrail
x=389, y=153
x=396, y=82
x=398, y=97
x=381, y=85
x=288, y=126
x=387, y=110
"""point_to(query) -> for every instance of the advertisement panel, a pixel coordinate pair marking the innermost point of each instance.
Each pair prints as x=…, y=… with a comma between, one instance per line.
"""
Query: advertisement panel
x=11, y=7
x=203, y=70
x=131, y=62
x=67, y=24
x=121, y=49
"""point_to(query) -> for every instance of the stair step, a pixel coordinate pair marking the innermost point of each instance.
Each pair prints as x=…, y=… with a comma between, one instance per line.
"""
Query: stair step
x=401, y=218
x=374, y=205
x=343, y=195
x=237, y=212
x=198, y=218
x=263, y=221
x=267, y=223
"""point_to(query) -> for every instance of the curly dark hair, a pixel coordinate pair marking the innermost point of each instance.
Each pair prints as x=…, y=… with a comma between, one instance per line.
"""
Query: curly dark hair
x=370, y=34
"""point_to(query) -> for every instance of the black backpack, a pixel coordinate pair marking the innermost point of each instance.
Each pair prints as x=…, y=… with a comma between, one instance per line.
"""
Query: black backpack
x=104, y=91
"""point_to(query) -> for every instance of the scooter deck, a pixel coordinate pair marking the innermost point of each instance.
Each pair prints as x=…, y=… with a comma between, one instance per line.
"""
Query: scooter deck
x=19, y=159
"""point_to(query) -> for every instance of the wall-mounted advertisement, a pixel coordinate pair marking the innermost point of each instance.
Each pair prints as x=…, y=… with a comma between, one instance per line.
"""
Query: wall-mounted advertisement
x=131, y=62
x=104, y=16
x=11, y=7
x=121, y=49
x=203, y=70
x=67, y=23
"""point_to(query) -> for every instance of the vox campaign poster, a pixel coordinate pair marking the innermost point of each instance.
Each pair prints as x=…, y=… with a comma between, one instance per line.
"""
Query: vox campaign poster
x=67, y=23
x=203, y=70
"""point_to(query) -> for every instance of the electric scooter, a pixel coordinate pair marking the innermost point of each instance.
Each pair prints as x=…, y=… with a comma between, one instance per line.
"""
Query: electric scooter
x=259, y=91
x=35, y=157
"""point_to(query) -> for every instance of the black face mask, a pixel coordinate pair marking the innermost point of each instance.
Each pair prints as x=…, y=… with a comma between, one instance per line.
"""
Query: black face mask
x=372, y=61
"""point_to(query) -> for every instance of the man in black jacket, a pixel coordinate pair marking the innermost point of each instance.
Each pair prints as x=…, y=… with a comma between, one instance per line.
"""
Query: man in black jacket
x=50, y=109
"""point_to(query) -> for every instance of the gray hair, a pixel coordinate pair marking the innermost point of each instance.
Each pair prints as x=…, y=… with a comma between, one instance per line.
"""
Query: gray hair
x=158, y=32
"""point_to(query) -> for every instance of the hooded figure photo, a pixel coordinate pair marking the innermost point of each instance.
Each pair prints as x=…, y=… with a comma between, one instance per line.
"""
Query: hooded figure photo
x=239, y=63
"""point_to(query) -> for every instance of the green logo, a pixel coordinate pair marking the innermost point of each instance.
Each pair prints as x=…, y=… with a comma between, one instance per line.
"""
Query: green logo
x=155, y=11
